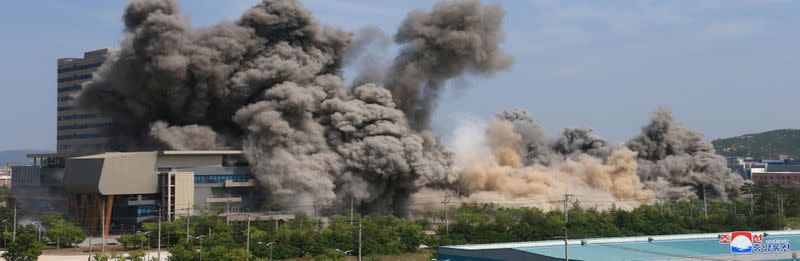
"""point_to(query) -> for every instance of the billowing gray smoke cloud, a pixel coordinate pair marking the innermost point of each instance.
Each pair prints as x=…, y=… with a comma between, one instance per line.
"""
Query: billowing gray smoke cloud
x=269, y=83
x=189, y=137
x=454, y=38
x=676, y=162
x=672, y=161
x=539, y=148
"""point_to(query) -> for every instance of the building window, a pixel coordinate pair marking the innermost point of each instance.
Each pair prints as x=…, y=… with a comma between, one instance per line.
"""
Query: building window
x=75, y=78
x=79, y=67
x=79, y=117
x=65, y=108
x=81, y=136
x=86, y=126
x=69, y=88
x=201, y=179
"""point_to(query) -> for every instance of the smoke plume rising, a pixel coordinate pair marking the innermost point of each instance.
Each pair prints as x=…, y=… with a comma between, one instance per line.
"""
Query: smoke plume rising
x=455, y=38
x=677, y=163
x=270, y=83
x=513, y=161
x=503, y=165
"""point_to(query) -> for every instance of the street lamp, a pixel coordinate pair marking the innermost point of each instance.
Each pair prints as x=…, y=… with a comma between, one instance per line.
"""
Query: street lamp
x=147, y=254
x=5, y=230
x=346, y=253
x=201, y=245
x=270, y=244
x=39, y=230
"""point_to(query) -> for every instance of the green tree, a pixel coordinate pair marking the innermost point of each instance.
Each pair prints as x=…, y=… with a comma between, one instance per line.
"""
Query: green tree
x=330, y=255
x=226, y=254
x=182, y=252
x=137, y=255
x=25, y=248
x=101, y=257
x=132, y=240
x=62, y=232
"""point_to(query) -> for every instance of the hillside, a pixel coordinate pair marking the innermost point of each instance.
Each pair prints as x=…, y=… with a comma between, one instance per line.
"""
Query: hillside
x=17, y=157
x=769, y=144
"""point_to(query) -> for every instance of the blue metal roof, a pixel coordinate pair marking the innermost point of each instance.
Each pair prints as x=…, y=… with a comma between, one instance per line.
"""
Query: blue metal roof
x=624, y=248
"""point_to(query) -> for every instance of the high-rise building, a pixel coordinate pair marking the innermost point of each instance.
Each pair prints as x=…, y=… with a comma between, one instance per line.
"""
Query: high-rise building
x=79, y=132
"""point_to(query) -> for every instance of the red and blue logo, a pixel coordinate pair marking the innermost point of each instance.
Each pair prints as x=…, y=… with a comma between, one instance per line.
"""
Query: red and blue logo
x=741, y=242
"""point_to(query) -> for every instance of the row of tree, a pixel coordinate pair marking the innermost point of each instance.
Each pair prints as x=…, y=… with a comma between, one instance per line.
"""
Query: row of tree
x=210, y=237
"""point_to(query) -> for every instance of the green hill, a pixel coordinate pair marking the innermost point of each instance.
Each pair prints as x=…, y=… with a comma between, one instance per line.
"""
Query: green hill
x=768, y=145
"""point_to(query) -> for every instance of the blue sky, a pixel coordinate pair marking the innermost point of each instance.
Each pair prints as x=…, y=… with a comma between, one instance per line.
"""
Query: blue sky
x=725, y=67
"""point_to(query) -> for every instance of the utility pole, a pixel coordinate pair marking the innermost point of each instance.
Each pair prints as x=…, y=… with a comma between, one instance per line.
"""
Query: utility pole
x=248, y=231
x=187, y=221
x=780, y=207
x=159, y=232
x=14, y=233
x=752, y=200
x=669, y=203
x=446, y=218
x=316, y=217
x=359, y=239
x=228, y=213
x=566, y=219
x=351, y=209
x=705, y=202
x=103, y=226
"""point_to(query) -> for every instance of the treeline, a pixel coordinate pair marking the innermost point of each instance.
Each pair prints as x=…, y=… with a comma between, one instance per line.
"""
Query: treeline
x=381, y=234
x=212, y=238
x=770, y=208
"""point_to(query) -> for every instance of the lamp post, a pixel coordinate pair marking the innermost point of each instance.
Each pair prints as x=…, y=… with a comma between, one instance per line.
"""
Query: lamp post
x=201, y=246
x=346, y=253
x=5, y=230
x=270, y=244
x=141, y=242
x=147, y=254
x=38, y=229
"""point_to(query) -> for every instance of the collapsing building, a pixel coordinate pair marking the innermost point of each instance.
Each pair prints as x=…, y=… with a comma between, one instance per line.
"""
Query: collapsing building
x=115, y=191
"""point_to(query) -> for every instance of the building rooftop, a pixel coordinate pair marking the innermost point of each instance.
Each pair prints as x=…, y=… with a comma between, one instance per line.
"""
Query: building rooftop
x=201, y=152
x=621, y=248
x=783, y=168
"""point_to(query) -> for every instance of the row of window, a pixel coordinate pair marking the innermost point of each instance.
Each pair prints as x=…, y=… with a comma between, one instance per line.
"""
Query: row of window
x=107, y=125
x=65, y=108
x=65, y=98
x=81, y=136
x=220, y=178
x=75, y=78
x=79, y=117
x=79, y=67
x=69, y=88
x=142, y=211
x=81, y=146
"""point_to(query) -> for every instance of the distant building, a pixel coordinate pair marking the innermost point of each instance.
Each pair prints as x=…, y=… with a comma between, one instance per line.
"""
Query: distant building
x=5, y=176
x=38, y=188
x=79, y=132
x=131, y=187
x=777, y=175
x=737, y=165
x=735, y=160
